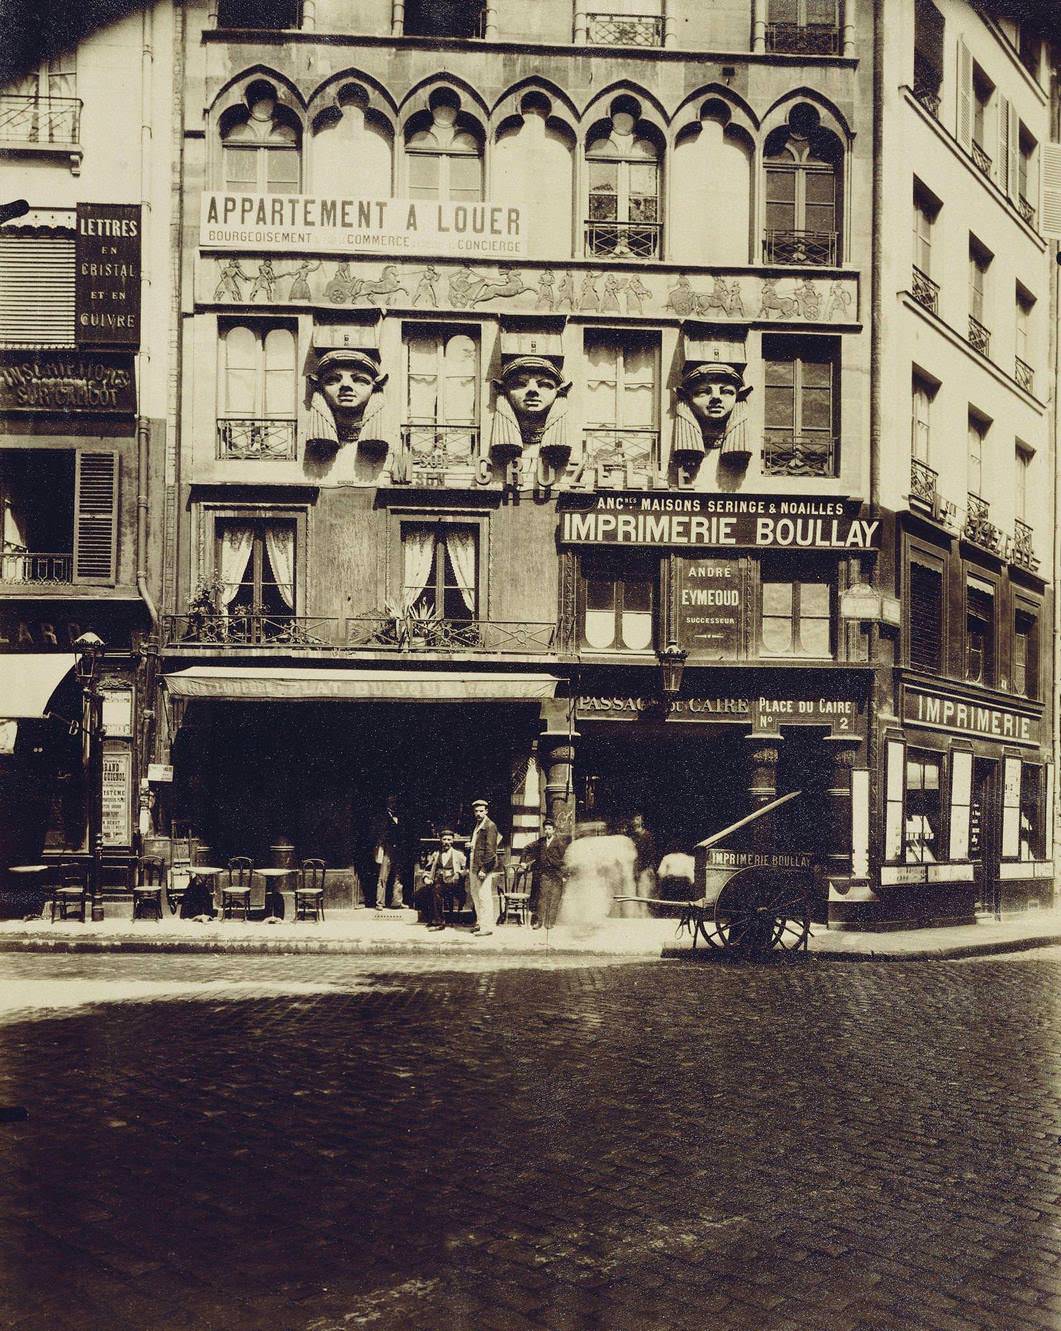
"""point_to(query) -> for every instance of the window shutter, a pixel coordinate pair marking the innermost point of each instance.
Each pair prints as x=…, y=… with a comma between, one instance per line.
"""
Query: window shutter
x=965, y=96
x=36, y=289
x=926, y=618
x=1013, y=183
x=1050, y=204
x=96, y=517
x=1004, y=161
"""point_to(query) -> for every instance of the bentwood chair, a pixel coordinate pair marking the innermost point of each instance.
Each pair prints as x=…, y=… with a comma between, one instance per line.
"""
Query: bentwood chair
x=180, y=872
x=236, y=889
x=309, y=891
x=70, y=894
x=147, y=892
x=514, y=891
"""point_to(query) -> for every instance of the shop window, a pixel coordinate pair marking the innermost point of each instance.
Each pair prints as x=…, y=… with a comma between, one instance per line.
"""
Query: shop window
x=444, y=152
x=443, y=18
x=441, y=396
x=255, y=560
x=256, y=417
x=922, y=833
x=260, y=145
x=1025, y=654
x=1032, y=838
x=928, y=54
x=621, y=399
x=979, y=631
x=803, y=167
x=440, y=570
x=796, y=616
x=618, y=594
x=926, y=616
x=42, y=105
x=893, y=812
x=801, y=405
x=961, y=803
x=623, y=168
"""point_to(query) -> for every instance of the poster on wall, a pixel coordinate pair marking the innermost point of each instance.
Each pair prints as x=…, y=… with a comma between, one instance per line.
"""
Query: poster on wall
x=115, y=826
x=710, y=598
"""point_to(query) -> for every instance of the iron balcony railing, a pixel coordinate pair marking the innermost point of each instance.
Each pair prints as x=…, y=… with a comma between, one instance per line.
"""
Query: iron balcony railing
x=810, y=247
x=803, y=38
x=1024, y=374
x=244, y=628
x=982, y=160
x=624, y=29
x=1026, y=209
x=978, y=526
x=239, y=437
x=928, y=96
x=923, y=479
x=1022, y=549
x=924, y=290
x=624, y=240
x=979, y=336
x=610, y=449
x=799, y=454
x=418, y=632
x=29, y=566
x=39, y=119
x=437, y=454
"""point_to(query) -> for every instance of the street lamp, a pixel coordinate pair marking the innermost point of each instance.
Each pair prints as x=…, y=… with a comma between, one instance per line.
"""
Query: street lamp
x=671, y=668
x=90, y=647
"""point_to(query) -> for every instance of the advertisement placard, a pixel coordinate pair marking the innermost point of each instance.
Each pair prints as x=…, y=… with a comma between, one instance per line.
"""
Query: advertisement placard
x=107, y=275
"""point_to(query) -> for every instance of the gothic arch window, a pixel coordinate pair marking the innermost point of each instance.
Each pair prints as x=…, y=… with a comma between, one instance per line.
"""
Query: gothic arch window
x=261, y=144
x=623, y=168
x=803, y=168
x=444, y=152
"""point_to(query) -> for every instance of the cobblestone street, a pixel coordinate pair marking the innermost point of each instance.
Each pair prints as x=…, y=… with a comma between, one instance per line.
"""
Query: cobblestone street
x=324, y=1143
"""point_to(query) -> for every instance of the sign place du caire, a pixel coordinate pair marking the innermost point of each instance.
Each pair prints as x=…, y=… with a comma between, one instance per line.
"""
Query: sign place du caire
x=721, y=521
x=297, y=222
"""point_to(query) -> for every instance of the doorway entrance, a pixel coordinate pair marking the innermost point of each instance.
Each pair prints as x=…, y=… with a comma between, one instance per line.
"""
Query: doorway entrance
x=984, y=834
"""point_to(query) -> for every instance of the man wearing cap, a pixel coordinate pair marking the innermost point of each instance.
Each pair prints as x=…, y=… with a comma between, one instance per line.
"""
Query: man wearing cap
x=444, y=873
x=345, y=381
x=482, y=862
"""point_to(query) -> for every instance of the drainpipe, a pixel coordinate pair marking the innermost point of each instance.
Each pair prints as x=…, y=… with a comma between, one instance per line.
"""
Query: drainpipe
x=143, y=426
x=143, y=439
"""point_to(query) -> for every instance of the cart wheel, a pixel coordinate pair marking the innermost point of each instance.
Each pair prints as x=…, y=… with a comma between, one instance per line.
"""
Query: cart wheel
x=787, y=903
x=740, y=924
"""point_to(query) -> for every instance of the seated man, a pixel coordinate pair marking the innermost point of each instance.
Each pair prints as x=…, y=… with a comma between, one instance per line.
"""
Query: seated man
x=442, y=877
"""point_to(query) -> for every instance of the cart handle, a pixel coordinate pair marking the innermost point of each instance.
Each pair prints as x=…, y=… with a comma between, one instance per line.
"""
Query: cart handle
x=751, y=817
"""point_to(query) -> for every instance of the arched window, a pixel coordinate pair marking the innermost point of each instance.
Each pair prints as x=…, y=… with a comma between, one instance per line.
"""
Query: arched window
x=256, y=407
x=803, y=165
x=444, y=152
x=260, y=144
x=623, y=167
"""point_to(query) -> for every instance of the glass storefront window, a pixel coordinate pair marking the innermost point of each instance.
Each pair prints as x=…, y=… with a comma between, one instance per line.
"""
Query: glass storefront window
x=924, y=808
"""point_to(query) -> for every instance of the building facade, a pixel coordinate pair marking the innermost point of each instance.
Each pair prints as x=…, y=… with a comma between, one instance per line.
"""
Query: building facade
x=84, y=353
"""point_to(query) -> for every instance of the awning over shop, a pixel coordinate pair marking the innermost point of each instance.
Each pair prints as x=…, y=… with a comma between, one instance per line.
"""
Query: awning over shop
x=277, y=684
x=28, y=680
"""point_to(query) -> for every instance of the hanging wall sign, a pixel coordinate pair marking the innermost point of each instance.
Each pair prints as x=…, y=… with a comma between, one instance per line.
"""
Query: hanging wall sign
x=710, y=597
x=107, y=275
x=98, y=382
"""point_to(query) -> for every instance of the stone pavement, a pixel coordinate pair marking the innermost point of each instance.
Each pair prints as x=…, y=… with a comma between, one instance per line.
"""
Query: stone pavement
x=364, y=932
x=322, y=1143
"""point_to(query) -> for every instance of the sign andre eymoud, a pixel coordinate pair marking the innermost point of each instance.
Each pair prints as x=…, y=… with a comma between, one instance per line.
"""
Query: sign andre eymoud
x=298, y=222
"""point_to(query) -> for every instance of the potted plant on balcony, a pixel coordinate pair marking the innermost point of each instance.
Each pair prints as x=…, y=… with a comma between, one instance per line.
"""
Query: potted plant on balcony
x=204, y=620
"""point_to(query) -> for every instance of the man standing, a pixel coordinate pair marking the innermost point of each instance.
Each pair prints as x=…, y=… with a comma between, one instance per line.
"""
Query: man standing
x=482, y=862
x=443, y=874
x=390, y=844
x=551, y=890
x=532, y=859
x=644, y=865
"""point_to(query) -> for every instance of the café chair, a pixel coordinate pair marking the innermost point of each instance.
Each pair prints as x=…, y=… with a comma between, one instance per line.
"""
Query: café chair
x=70, y=894
x=236, y=891
x=180, y=872
x=309, y=891
x=147, y=893
x=514, y=884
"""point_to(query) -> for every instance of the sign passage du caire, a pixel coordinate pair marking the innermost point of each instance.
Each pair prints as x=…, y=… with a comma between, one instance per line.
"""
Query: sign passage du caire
x=721, y=521
x=300, y=222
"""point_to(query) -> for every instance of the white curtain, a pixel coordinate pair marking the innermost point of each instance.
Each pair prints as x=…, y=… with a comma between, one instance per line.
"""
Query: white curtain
x=418, y=544
x=460, y=543
x=237, y=542
x=280, y=547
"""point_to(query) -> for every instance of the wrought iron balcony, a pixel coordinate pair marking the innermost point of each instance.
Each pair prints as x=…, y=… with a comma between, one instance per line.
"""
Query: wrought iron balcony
x=982, y=160
x=29, y=566
x=1024, y=374
x=978, y=526
x=799, y=454
x=437, y=454
x=928, y=95
x=413, y=631
x=236, y=628
x=1022, y=549
x=924, y=290
x=810, y=247
x=624, y=240
x=624, y=29
x=608, y=449
x=803, y=38
x=239, y=437
x=923, y=479
x=1026, y=209
x=979, y=336
x=39, y=119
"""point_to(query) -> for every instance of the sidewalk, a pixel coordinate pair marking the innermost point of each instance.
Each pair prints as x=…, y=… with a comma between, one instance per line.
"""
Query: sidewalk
x=363, y=932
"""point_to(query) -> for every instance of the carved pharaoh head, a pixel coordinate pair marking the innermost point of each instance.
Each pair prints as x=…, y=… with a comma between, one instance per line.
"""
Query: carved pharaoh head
x=531, y=386
x=344, y=383
x=712, y=391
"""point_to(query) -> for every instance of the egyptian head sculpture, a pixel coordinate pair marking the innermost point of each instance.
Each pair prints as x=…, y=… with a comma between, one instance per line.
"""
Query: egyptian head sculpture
x=347, y=399
x=531, y=405
x=710, y=412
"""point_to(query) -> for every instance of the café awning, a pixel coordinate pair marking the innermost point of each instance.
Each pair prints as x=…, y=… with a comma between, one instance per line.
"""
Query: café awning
x=28, y=680
x=279, y=684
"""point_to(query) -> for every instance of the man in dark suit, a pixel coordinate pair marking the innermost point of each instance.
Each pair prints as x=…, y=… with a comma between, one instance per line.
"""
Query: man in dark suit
x=532, y=859
x=551, y=891
x=482, y=864
x=390, y=849
x=444, y=873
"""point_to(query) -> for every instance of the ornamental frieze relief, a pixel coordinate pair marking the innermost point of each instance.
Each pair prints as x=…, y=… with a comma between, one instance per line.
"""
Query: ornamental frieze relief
x=744, y=297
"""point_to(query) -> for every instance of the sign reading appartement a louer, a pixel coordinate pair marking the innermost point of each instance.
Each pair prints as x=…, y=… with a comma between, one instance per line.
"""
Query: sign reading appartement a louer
x=297, y=223
x=107, y=275
x=937, y=711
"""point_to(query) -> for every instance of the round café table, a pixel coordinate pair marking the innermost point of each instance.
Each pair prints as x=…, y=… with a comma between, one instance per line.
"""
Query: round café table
x=30, y=873
x=274, y=901
x=208, y=873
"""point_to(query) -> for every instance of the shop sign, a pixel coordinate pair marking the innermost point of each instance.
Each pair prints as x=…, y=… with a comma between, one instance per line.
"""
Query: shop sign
x=160, y=772
x=107, y=274
x=67, y=381
x=721, y=521
x=839, y=714
x=301, y=222
x=710, y=594
x=751, y=859
x=118, y=713
x=936, y=711
x=682, y=709
x=117, y=772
